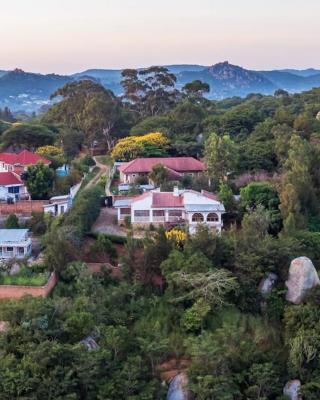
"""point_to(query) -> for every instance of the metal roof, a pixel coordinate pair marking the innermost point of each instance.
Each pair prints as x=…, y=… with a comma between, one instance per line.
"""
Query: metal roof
x=122, y=203
x=13, y=235
x=204, y=207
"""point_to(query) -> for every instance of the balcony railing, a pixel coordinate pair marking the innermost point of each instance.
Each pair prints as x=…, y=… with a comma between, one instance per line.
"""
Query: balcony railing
x=159, y=219
x=141, y=219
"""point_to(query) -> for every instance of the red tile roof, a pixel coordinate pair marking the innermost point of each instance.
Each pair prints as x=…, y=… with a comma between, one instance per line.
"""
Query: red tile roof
x=179, y=164
x=210, y=195
x=9, y=178
x=163, y=199
x=25, y=158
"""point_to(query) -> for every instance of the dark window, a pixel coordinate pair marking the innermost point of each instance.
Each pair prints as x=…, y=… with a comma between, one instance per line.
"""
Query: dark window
x=197, y=217
x=14, y=189
x=212, y=217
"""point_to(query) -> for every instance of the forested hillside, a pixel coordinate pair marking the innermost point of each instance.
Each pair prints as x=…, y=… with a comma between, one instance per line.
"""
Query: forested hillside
x=222, y=309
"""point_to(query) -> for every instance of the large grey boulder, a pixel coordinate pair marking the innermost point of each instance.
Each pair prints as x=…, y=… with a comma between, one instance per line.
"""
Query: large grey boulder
x=302, y=276
x=177, y=388
x=292, y=390
x=267, y=283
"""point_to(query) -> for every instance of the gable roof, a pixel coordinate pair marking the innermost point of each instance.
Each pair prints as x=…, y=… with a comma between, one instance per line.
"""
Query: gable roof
x=25, y=157
x=9, y=178
x=179, y=164
x=164, y=199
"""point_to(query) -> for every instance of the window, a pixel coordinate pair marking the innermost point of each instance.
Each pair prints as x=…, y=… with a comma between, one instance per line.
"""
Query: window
x=125, y=211
x=197, y=217
x=13, y=189
x=212, y=217
x=21, y=251
x=175, y=213
x=158, y=213
x=61, y=209
x=1, y=251
x=141, y=213
x=9, y=249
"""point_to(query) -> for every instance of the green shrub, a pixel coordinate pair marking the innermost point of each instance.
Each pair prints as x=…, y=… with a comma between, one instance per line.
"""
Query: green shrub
x=12, y=222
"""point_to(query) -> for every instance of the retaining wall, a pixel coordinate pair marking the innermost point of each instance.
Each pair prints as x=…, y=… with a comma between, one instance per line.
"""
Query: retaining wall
x=17, y=291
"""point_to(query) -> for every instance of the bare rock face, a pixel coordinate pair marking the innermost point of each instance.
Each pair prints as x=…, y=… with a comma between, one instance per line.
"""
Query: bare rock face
x=302, y=276
x=292, y=390
x=177, y=388
x=267, y=283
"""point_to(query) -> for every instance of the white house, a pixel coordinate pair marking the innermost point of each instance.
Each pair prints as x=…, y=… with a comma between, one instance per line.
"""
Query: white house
x=18, y=162
x=12, y=187
x=172, y=208
x=58, y=205
x=15, y=243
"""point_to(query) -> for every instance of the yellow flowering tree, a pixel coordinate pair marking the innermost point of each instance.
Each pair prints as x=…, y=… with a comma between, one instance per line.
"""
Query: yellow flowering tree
x=150, y=145
x=53, y=153
x=176, y=236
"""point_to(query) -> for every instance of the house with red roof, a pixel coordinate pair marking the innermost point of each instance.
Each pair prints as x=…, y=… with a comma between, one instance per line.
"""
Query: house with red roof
x=172, y=208
x=12, y=187
x=177, y=167
x=18, y=162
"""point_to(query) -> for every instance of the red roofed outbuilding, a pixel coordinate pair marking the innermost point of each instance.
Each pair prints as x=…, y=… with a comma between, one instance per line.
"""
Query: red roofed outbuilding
x=176, y=166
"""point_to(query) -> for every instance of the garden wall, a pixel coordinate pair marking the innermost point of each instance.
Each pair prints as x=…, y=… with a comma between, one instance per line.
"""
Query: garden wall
x=17, y=291
x=22, y=207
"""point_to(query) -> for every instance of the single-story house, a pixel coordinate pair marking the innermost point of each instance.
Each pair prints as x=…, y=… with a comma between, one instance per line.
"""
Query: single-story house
x=58, y=205
x=18, y=162
x=15, y=243
x=177, y=167
x=12, y=187
x=171, y=208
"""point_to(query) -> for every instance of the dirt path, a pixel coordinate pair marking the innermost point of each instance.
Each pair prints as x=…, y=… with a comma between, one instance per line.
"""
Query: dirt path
x=103, y=170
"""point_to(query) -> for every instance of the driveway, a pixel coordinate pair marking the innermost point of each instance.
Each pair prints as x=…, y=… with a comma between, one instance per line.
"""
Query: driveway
x=107, y=223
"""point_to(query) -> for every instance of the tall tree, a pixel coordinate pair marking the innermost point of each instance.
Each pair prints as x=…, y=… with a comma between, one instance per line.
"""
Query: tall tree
x=196, y=88
x=220, y=156
x=149, y=91
x=89, y=108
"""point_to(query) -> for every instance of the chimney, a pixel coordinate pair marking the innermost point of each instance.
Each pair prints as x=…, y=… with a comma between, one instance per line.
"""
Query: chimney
x=176, y=191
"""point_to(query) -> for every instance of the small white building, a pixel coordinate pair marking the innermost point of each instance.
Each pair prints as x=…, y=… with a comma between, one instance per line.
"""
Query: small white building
x=58, y=205
x=171, y=208
x=15, y=243
x=12, y=187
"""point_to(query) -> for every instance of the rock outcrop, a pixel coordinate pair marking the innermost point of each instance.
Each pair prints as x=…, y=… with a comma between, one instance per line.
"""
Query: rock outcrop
x=292, y=390
x=177, y=388
x=302, y=276
x=267, y=283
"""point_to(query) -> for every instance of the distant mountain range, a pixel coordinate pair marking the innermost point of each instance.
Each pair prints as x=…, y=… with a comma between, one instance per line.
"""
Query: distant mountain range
x=24, y=91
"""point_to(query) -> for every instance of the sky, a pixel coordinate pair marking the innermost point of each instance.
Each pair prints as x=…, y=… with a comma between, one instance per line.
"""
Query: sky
x=66, y=36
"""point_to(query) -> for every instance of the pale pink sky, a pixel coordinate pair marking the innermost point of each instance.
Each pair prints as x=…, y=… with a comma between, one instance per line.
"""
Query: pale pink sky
x=67, y=36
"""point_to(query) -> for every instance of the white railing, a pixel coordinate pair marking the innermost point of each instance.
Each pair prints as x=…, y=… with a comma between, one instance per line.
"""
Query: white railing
x=141, y=219
x=159, y=219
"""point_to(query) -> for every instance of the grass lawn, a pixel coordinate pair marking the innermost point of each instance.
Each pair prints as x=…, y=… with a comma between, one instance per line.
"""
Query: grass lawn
x=89, y=177
x=26, y=280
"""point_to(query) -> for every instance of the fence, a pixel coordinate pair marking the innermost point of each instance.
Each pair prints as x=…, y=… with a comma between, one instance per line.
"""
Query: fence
x=23, y=207
x=17, y=291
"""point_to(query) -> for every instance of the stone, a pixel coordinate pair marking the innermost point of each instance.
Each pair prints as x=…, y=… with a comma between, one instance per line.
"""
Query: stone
x=267, y=283
x=302, y=276
x=15, y=268
x=177, y=388
x=318, y=116
x=292, y=390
